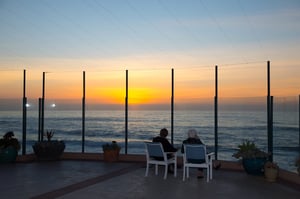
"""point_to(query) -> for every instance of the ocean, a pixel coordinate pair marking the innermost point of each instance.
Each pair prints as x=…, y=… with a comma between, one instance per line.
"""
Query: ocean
x=105, y=126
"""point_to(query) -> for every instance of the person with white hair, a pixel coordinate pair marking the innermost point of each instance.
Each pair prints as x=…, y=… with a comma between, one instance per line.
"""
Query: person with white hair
x=193, y=139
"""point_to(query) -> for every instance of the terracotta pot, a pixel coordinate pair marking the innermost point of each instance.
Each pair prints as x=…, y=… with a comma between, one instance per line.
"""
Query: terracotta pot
x=111, y=155
x=271, y=174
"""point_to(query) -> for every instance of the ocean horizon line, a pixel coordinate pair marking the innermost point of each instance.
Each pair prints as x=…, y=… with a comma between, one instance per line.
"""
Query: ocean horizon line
x=9, y=105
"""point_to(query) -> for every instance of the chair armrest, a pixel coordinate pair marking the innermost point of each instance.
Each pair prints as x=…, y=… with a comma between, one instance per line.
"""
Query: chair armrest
x=174, y=153
x=210, y=154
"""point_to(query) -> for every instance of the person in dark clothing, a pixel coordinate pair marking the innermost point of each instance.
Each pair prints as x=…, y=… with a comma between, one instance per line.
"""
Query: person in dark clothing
x=167, y=146
x=162, y=138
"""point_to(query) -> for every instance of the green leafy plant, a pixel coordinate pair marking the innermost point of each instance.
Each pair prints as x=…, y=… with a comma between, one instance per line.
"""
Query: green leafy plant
x=8, y=140
x=111, y=146
x=49, y=134
x=248, y=149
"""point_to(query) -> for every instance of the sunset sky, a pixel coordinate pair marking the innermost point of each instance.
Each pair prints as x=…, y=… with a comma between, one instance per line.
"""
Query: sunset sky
x=149, y=38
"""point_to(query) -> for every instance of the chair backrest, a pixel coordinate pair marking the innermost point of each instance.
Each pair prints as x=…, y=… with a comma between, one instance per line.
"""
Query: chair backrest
x=195, y=153
x=154, y=149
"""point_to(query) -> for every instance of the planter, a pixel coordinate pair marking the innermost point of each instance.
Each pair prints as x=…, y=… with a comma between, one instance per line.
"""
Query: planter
x=48, y=150
x=8, y=155
x=271, y=174
x=254, y=166
x=111, y=155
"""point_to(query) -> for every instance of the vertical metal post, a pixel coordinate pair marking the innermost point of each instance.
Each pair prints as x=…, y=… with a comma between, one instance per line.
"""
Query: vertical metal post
x=269, y=113
x=83, y=112
x=216, y=112
x=126, y=114
x=24, y=114
x=40, y=120
x=172, y=107
x=271, y=128
x=43, y=108
x=268, y=104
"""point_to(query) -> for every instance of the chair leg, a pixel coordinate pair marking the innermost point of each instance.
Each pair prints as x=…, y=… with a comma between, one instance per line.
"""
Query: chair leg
x=175, y=169
x=166, y=171
x=210, y=169
x=211, y=172
x=207, y=174
x=187, y=172
x=147, y=170
x=156, y=169
x=183, y=178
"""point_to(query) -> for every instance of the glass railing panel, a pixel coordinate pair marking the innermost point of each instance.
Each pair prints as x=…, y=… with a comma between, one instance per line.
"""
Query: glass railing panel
x=11, y=103
x=105, y=109
x=149, y=106
x=286, y=132
x=62, y=108
x=242, y=107
x=194, y=104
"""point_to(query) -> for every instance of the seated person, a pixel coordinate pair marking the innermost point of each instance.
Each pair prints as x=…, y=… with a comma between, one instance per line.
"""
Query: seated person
x=193, y=139
x=162, y=138
x=167, y=146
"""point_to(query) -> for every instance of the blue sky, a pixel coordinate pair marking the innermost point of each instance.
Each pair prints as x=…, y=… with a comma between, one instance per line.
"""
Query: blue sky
x=149, y=38
x=130, y=32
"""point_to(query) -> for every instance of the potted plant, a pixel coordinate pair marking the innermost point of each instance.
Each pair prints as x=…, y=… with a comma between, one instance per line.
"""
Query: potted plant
x=9, y=147
x=253, y=158
x=111, y=151
x=271, y=171
x=50, y=149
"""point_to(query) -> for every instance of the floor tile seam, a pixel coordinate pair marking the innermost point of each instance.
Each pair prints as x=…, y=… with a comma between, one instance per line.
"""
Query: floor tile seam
x=85, y=183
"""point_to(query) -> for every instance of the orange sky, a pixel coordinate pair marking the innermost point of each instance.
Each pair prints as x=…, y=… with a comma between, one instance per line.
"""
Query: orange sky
x=153, y=86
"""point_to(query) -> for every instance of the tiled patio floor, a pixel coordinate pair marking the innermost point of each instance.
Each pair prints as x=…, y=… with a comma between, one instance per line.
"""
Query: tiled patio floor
x=96, y=179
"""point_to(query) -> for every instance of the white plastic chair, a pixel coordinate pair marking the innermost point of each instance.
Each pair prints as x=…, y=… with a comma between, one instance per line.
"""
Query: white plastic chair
x=155, y=150
x=195, y=156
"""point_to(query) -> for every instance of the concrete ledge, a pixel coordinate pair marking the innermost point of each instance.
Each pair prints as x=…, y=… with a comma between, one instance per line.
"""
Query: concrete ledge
x=82, y=156
x=25, y=158
x=229, y=165
x=99, y=157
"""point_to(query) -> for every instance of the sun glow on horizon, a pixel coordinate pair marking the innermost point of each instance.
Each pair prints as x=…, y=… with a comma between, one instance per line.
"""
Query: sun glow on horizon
x=153, y=86
x=135, y=96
